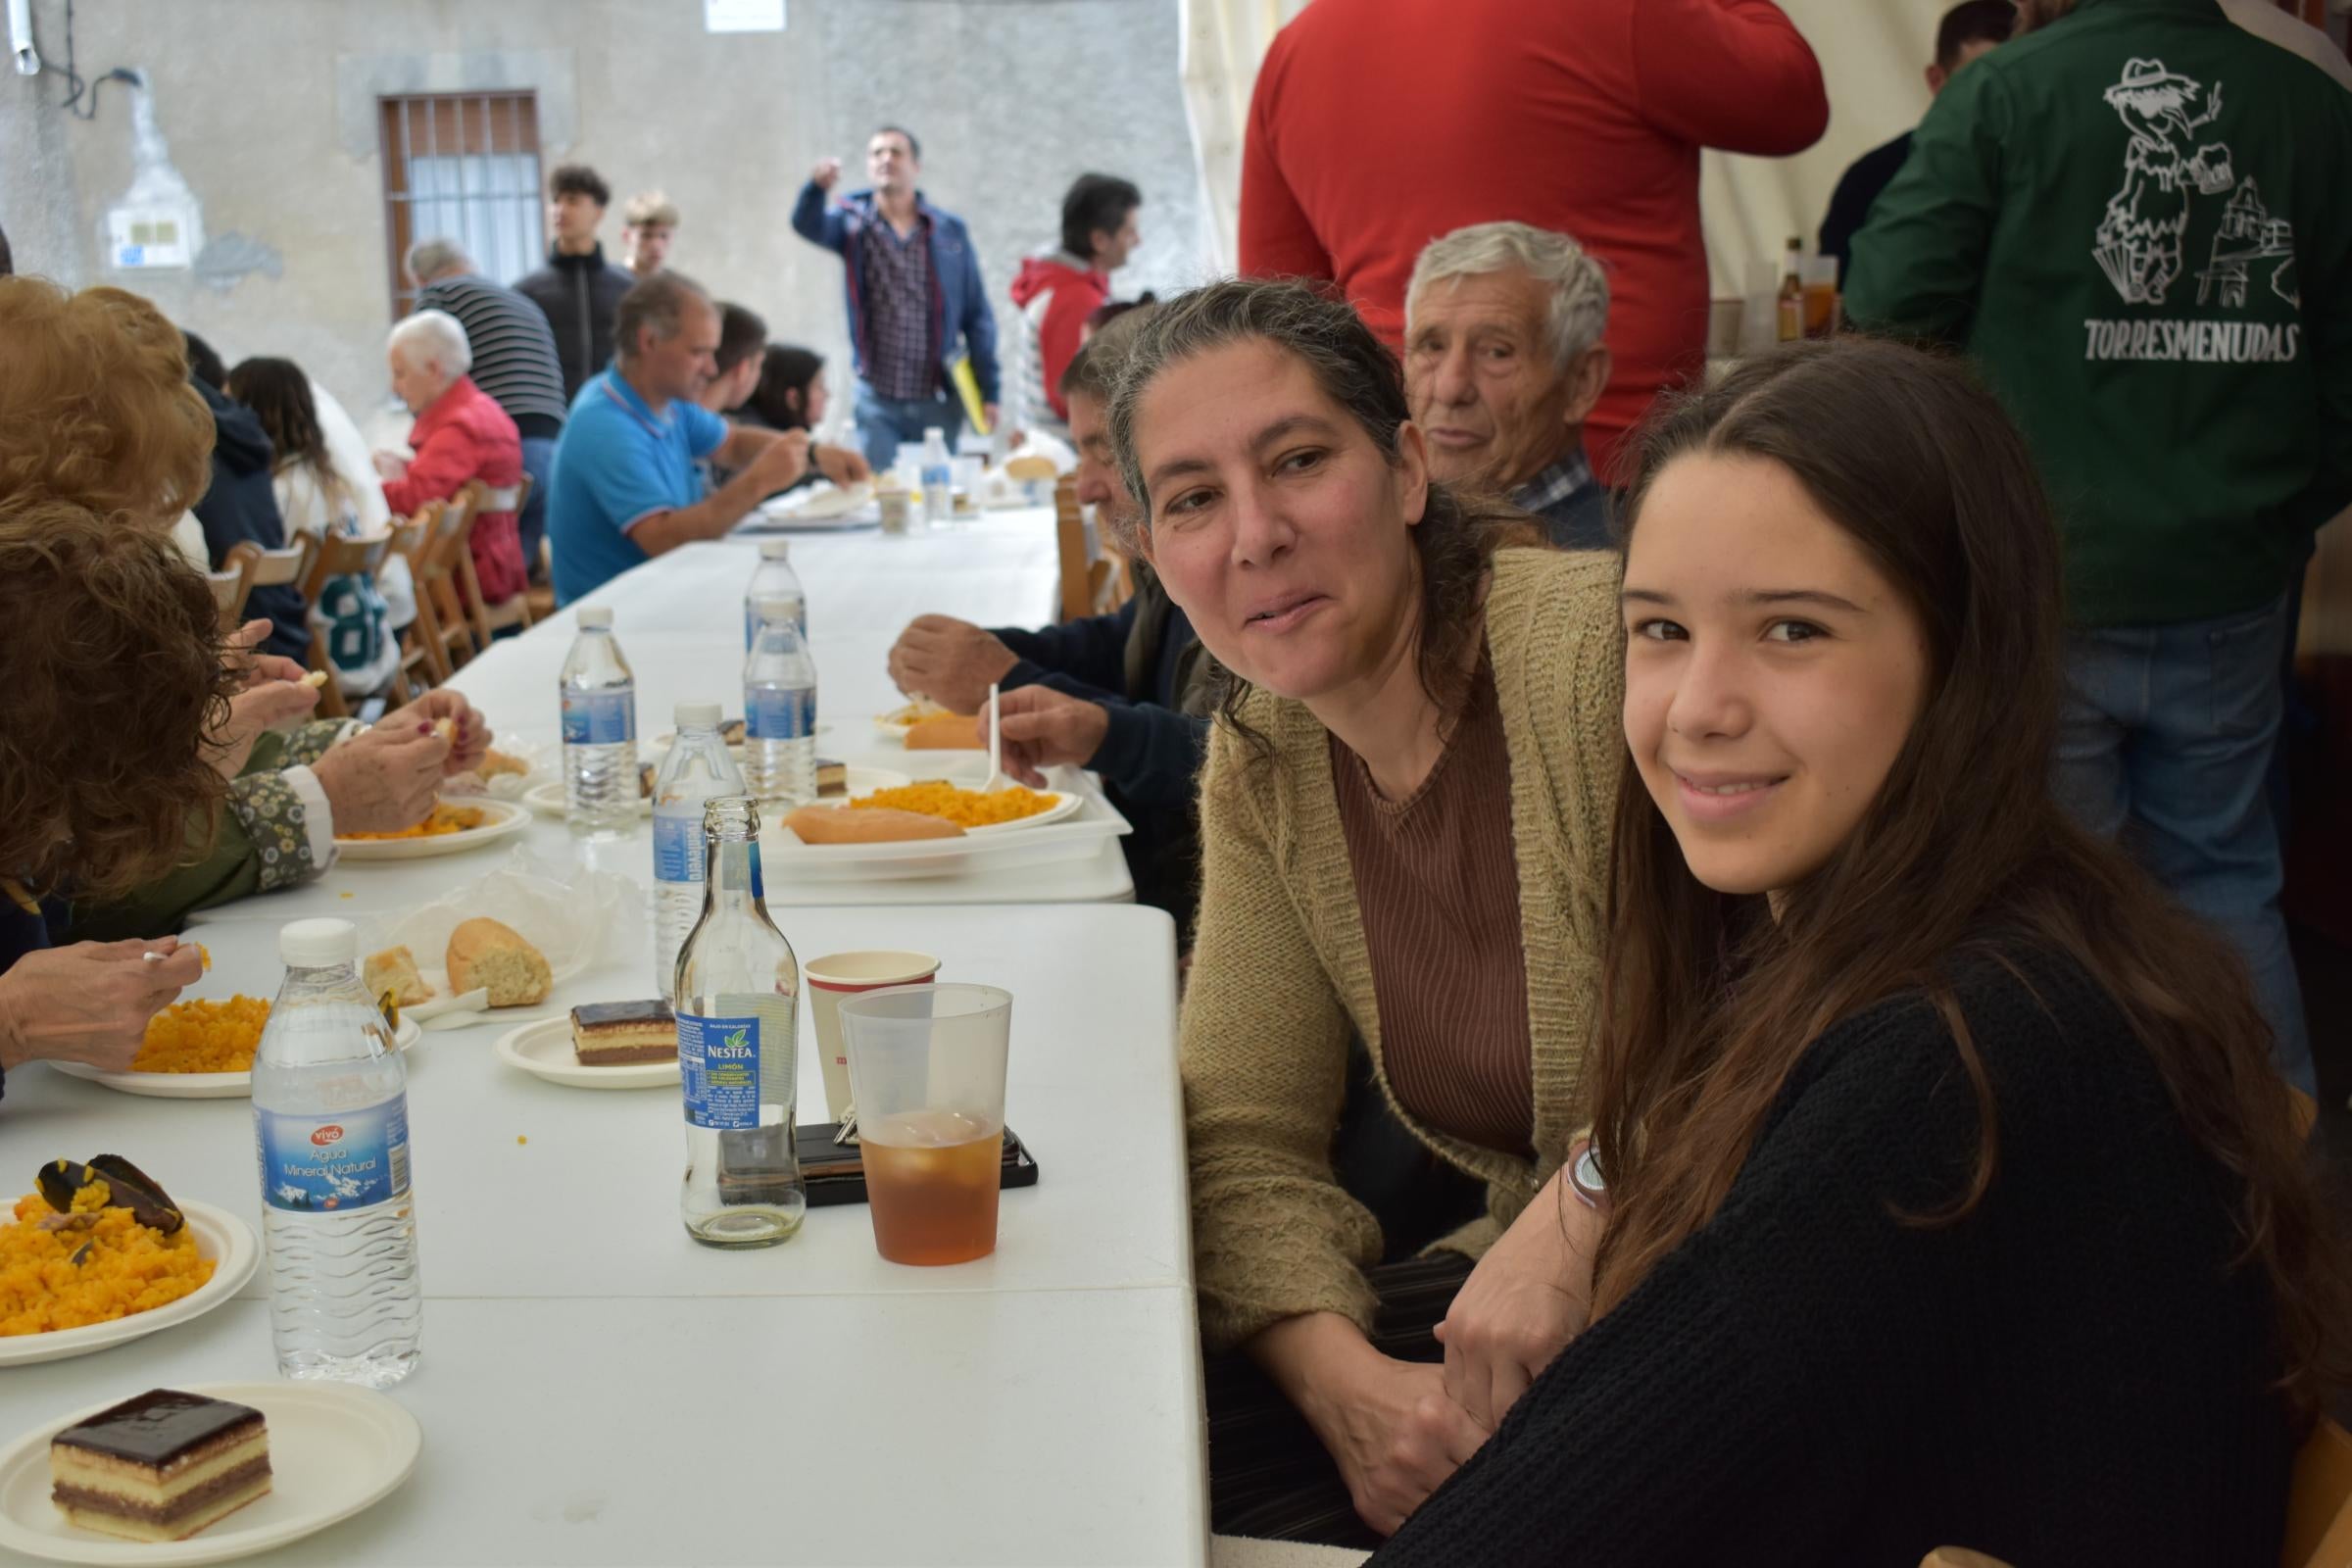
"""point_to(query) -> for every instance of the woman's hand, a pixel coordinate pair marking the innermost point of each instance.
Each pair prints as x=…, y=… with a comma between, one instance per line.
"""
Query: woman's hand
x=1045, y=728
x=1521, y=1305
x=469, y=731
x=89, y=1002
x=263, y=704
x=1388, y=1424
x=384, y=780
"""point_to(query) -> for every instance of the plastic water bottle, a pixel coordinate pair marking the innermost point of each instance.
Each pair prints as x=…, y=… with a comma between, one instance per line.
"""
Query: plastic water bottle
x=330, y=1118
x=779, y=708
x=738, y=1008
x=697, y=768
x=939, y=477
x=774, y=579
x=600, y=732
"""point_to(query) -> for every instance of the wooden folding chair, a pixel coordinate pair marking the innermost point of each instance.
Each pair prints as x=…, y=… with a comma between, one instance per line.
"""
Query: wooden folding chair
x=2318, y=1509
x=440, y=609
x=228, y=595
x=1069, y=538
x=341, y=556
x=423, y=650
x=489, y=619
x=271, y=568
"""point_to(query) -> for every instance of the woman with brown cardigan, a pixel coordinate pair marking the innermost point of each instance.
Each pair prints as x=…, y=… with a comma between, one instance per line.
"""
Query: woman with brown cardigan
x=1406, y=797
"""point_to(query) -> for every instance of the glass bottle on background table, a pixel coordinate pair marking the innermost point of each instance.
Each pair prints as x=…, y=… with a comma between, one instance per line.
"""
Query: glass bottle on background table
x=774, y=579
x=779, y=708
x=330, y=1117
x=697, y=767
x=737, y=997
x=599, y=695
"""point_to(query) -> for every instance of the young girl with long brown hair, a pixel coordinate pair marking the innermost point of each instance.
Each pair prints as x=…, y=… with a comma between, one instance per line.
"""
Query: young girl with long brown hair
x=1945, y=1194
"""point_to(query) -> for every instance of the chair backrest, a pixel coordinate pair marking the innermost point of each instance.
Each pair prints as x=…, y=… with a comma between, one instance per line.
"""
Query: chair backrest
x=273, y=568
x=507, y=498
x=1069, y=538
x=346, y=555
x=450, y=526
x=229, y=595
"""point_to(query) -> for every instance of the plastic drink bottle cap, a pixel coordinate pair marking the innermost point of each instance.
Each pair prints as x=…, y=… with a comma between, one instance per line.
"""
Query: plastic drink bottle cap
x=318, y=943
x=596, y=617
x=703, y=714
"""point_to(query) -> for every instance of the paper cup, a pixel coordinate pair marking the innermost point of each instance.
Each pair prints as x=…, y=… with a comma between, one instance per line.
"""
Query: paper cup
x=846, y=974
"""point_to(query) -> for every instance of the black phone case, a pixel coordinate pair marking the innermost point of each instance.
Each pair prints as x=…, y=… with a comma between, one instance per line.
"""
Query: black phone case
x=835, y=1173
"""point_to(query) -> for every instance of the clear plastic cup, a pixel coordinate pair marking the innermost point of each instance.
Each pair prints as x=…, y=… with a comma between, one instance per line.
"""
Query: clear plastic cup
x=927, y=1071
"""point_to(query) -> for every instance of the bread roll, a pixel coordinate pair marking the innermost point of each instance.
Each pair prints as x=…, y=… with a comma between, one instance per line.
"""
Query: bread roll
x=1029, y=467
x=946, y=732
x=484, y=953
x=494, y=762
x=845, y=825
x=395, y=970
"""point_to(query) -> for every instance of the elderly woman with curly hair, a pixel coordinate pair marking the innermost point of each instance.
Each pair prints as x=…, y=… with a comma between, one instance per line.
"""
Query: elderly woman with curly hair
x=96, y=412
x=116, y=686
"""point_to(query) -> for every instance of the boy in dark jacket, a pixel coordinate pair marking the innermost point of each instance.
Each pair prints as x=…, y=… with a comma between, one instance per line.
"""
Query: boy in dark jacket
x=576, y=288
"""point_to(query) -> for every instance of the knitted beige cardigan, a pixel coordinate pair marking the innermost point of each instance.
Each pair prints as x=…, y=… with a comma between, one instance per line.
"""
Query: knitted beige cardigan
x=1280, y=972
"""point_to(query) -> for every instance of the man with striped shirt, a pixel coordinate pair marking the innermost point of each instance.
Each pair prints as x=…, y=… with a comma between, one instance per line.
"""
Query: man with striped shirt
x=513, y=360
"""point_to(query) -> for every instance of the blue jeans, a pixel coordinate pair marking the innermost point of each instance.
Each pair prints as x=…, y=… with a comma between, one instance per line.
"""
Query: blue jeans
x=882, y=422
x=2166, y=742
x=530, y=523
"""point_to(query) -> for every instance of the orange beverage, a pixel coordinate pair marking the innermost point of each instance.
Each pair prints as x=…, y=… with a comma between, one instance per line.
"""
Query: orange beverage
x=931, y=1180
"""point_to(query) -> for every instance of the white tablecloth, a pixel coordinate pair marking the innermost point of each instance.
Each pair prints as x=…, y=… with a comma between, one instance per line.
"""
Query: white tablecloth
x=596, y=1388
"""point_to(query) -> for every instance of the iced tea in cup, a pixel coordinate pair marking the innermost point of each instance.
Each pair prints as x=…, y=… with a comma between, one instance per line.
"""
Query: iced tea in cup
x=840, y=975
x=927, y=1070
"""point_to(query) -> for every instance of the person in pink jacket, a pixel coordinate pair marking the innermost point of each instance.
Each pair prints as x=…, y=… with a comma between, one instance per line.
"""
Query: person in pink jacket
x=460, y=433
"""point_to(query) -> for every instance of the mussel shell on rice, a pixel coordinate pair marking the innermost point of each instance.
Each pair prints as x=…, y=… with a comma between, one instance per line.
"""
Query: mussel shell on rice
x=127, y=1187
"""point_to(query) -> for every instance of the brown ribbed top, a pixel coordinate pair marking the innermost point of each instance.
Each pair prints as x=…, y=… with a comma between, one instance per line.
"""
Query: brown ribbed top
x=1437, y=888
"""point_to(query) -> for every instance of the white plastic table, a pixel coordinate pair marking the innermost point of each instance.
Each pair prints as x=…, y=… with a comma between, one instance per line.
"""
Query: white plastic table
x=596, y=1388
x=679, y=621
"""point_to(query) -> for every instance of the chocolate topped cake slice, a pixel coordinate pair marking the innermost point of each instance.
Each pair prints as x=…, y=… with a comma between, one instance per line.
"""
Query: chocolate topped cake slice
x=161, y=1466
x=832, y=779
x=618, y=1033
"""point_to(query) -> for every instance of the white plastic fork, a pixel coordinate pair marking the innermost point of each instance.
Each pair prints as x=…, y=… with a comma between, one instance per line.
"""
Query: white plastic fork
x=996, y=749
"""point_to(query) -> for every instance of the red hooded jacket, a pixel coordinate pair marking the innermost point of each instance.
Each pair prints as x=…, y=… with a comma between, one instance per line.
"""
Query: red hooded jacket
x=1054, y=295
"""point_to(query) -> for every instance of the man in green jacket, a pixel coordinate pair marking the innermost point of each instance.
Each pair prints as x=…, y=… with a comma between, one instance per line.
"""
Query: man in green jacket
x=2136, y=220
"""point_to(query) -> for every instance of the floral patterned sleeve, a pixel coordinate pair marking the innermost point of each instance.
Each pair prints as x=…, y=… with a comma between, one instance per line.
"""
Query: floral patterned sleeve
x=272, y=816
x=307, y=743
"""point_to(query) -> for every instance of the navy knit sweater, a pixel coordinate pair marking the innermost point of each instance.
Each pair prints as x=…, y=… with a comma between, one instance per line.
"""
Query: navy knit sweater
x=2072, y=1375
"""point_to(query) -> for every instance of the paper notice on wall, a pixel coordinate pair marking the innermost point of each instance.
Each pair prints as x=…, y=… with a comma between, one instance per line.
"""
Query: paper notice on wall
x=743, y=16
x=148, y=236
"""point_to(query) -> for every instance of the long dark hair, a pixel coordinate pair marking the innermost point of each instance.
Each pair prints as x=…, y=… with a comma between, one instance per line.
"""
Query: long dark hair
x=1707, y=1006
x=1459, y=530
x=279, y=396
x=785, y=368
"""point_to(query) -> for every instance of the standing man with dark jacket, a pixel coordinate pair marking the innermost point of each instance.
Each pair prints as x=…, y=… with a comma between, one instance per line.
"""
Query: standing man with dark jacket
x=2133, y=217
x=241, y=505
x=513, y=360
x=912, y=282
x=576, y=288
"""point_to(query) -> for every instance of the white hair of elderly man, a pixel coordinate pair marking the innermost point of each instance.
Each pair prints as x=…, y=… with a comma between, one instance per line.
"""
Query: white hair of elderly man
x=437, y=338
x=1578, y=288
x=432, y=260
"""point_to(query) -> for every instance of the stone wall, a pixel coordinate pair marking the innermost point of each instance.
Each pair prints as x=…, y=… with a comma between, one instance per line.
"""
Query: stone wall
x=267, y=108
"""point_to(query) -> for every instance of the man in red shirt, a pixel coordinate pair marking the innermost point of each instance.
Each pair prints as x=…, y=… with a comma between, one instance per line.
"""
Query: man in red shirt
x=1379, y=125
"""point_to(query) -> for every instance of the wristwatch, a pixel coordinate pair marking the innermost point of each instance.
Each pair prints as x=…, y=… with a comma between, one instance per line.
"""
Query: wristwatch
x=1584, y=1178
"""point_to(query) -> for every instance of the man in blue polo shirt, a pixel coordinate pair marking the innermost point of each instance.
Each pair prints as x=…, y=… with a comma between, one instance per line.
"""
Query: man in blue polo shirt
x=625, y=486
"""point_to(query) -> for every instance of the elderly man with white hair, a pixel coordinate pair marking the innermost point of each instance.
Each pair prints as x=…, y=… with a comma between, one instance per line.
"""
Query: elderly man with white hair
x=1504, y=360
x=460, y=433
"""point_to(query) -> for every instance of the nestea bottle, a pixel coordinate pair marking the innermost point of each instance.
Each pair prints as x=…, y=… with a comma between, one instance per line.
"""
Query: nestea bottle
x=737, y=997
